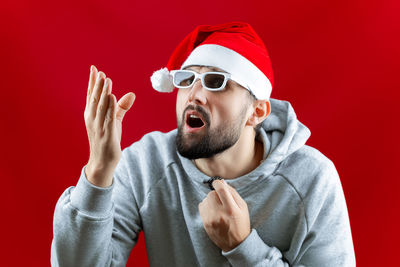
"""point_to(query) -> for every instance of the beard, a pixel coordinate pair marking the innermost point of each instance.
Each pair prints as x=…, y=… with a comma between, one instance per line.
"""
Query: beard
x=210, y=141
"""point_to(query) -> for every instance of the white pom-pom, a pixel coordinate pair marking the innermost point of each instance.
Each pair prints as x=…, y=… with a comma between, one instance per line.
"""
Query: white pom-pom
x=162, y=80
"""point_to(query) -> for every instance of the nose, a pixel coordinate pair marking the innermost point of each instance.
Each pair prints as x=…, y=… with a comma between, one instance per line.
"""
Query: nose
x=197, y=93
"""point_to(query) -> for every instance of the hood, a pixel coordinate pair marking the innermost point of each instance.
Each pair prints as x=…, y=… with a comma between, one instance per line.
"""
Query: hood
x=284, y=133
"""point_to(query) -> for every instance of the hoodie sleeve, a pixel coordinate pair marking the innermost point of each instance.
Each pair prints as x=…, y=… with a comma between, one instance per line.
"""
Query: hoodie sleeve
x=255, y=253
x=327, y=241
x=95, y=226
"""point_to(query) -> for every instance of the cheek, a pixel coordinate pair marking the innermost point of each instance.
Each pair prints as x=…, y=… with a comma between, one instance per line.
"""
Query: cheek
x=180, y=104
x=230, y=112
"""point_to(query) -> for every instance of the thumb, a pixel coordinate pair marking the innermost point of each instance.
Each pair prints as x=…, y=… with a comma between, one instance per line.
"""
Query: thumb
x=124, y=104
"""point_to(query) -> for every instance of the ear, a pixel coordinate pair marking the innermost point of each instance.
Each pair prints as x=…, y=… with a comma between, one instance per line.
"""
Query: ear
x=261, y=110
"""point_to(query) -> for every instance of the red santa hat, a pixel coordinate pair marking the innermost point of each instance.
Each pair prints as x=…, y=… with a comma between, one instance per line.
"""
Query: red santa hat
x=233, y=47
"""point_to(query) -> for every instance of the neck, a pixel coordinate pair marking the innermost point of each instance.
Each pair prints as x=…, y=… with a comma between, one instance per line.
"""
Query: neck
x=241, y=158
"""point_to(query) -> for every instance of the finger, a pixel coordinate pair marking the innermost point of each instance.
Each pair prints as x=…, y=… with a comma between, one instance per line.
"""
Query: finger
x=92, y=81
x=224, y=193
x=238, y=199
x=109, y=120
x=103, y=103
x=214, y=198
x=95, y=96
x=124, y=104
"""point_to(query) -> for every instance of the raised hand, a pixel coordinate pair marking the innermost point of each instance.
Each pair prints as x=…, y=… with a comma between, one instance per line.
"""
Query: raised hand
x=103, y=119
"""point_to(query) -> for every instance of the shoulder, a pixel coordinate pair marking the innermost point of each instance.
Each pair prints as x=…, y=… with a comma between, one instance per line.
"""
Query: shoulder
x=144, y=163
x=307, y=167
x=308, y=154
x=149, y=156
x=312, y=175
x=153, y=147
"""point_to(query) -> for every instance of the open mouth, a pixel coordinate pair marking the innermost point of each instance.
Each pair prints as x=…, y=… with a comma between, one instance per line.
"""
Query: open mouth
x=194, y=121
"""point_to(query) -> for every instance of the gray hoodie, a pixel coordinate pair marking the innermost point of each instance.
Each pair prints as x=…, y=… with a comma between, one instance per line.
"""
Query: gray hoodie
x=298, y=212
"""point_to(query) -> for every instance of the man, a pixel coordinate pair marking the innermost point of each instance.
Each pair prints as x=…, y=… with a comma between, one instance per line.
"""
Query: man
x=233, y=185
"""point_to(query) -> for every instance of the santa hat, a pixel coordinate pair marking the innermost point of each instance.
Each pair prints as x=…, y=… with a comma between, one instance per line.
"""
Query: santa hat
x=233, y=47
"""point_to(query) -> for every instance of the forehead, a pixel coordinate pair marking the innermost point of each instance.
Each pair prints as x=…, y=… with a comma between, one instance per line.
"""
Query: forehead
x=197, y=68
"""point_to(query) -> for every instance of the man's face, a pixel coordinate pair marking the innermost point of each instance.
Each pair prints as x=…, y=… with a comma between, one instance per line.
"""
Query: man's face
x=210, y=122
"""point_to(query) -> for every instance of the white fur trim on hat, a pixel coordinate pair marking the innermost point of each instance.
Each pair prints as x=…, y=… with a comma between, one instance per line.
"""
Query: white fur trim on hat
x=161, y=80
x=242, y=70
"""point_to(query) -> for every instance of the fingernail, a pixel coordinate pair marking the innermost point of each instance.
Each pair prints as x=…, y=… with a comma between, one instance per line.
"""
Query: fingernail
x=224, y=182
x=91, y=68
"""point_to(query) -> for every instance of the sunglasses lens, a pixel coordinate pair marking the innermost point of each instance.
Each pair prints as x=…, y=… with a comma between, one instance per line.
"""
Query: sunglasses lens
x=214, y=80
x=183, y=78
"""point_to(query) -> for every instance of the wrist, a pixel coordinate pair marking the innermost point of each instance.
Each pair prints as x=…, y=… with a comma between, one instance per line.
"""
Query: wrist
x=236, y=242
x=97, y=176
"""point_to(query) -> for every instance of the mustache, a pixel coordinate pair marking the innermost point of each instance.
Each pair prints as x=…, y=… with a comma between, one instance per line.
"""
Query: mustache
x=200, y=110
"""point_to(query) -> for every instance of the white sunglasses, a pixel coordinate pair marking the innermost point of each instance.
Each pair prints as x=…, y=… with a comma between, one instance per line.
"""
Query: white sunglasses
x=213, y=80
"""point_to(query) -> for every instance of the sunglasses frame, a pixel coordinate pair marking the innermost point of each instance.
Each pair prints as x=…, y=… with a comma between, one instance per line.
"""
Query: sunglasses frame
x=227, y=76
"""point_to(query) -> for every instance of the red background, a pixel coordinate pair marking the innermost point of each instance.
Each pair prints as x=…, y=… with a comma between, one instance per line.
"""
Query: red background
x=337, y=62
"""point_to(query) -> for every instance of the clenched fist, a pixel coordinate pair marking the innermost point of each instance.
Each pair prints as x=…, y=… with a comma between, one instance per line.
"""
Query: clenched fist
x=103, y=119
x=225, y=216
